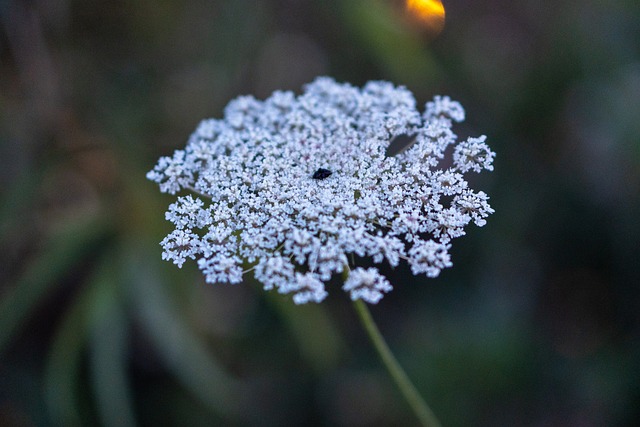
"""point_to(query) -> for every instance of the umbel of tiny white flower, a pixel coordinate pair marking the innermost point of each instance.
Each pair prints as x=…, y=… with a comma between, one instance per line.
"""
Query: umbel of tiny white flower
x=293, y=187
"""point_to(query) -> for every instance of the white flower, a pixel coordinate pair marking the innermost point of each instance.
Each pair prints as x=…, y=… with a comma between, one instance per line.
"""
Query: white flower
x=429, y=257
x=293, y=188
x=307, y=287
x=368, y=285
x=473, y=154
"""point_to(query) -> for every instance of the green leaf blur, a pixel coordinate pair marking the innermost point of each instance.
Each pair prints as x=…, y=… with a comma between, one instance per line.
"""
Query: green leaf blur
x=537, y=323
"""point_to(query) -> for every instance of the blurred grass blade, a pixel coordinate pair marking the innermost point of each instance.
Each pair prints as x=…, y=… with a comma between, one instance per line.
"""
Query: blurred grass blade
x=17, y=200
x=57, y=258
x=108, y=352
x=320, y=342
x=64, y=362
x=397, y=50
x=183, y=351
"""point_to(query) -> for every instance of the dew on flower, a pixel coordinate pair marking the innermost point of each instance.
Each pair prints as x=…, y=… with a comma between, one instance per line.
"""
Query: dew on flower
x=248, y=208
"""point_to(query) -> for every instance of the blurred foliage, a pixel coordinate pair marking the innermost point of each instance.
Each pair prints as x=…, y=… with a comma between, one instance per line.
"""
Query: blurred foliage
x=537, y=324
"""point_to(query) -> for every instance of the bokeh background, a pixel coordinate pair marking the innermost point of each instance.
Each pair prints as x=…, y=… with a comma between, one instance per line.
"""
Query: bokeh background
x=537, y=324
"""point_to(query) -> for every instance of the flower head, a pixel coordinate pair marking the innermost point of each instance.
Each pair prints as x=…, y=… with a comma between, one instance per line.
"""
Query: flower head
x=294, y=186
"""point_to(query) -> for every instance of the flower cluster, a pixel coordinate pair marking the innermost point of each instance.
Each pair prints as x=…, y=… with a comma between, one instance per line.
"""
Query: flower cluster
x=293, y=188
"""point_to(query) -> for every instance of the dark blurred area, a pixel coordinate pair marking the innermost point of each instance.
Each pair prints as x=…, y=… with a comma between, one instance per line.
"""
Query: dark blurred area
x=537, y=323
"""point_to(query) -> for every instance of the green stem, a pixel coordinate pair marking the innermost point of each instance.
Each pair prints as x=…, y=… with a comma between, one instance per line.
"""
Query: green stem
x=408, y=390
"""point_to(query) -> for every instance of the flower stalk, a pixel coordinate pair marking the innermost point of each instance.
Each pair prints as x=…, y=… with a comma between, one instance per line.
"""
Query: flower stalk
x=409, y=392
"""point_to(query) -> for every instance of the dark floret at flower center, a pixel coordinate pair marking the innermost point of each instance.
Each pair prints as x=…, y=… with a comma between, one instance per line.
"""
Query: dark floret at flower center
x=321, y=174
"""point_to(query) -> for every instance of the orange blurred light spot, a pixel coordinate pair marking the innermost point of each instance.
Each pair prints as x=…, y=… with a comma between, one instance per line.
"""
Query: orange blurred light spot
x=429, y=13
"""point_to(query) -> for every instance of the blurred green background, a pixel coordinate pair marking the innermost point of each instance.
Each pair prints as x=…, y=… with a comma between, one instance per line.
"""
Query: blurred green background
x=537, y=323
